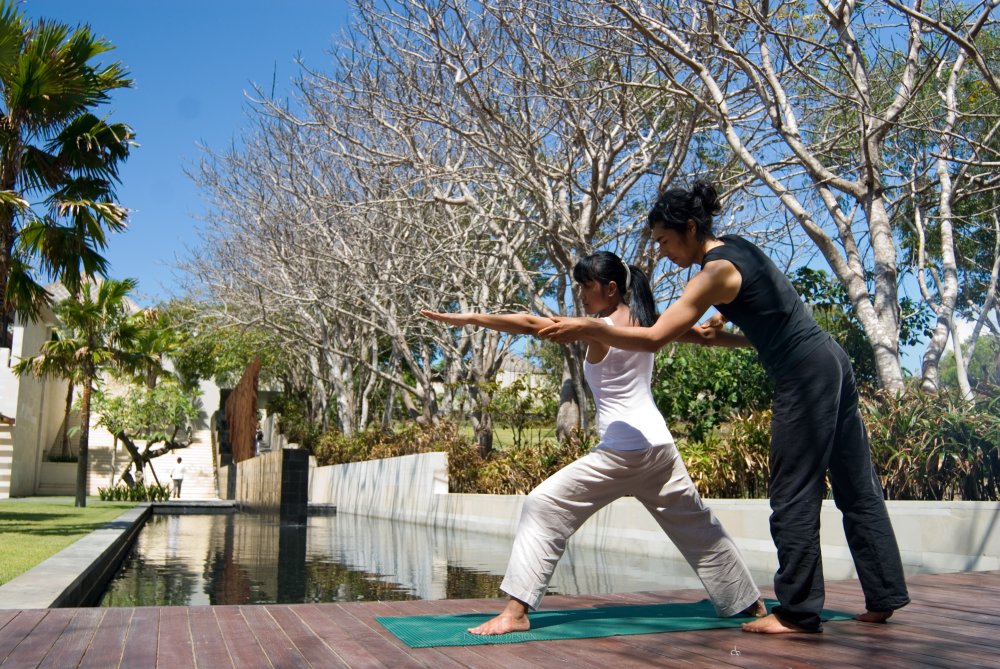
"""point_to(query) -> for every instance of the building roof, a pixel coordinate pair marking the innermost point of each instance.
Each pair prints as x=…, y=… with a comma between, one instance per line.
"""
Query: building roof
x=515, y=363
x=59, y=293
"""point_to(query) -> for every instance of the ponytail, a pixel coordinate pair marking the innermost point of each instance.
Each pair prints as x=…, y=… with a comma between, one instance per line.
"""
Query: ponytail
x=640, y=298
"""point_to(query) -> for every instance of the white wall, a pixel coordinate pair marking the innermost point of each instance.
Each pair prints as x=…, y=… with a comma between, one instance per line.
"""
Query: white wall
x=6, y=458
x=37, y=405
x=933, y=536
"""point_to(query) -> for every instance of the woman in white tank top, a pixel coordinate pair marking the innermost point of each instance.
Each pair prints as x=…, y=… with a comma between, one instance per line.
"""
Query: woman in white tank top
x=635, y=456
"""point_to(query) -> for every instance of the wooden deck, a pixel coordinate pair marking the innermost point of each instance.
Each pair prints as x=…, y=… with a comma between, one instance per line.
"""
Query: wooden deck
x=954, y=621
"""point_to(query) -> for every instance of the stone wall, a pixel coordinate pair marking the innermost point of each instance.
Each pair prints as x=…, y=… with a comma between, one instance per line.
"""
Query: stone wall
x=275, y=482
x=932, y=536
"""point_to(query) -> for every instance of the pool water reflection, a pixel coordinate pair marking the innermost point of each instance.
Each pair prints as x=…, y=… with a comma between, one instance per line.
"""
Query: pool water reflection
x=186, y=560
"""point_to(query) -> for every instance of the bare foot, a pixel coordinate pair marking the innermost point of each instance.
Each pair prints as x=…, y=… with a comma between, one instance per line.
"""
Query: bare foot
x=756, y=610
x=873, y=616
x=514, y=618
x=770, y=624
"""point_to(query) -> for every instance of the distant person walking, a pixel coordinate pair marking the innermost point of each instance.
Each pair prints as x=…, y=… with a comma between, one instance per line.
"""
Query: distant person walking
x=816, y=426
x=177, y=474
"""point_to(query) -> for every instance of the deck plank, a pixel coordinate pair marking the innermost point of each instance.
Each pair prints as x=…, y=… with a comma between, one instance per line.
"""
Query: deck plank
x=280, y=650
x=141, y=639
x=240, y=640
x=33, y=649
x=109, y=640
x=359, y=621
x=954, y=620
x=314, y=649
x=18, y=629
x=72, y=643
x=174, y=648
x=205, y=635
x=350, y=651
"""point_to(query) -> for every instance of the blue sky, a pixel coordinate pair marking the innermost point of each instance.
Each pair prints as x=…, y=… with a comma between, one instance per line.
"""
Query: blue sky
x=191, y=63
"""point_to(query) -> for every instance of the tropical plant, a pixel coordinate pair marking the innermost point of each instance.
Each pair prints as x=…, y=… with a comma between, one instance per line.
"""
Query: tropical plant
x=697, y=388
x=732, y=461
x=160, y=416
x=935, y=445
x=140, y=492
x=96, y=334
x=522, y=405
x=56, y=152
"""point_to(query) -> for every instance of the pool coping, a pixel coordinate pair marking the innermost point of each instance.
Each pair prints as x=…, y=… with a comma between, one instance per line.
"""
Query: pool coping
x=78, y=574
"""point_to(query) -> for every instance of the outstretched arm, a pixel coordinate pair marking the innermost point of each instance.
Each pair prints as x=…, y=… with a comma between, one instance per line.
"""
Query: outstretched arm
x=717, y=283
x=511, y=323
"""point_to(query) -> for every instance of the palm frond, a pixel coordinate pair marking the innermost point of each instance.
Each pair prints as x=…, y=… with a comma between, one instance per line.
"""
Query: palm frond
x=11, y=37
x=24, y=295
x=13, y=200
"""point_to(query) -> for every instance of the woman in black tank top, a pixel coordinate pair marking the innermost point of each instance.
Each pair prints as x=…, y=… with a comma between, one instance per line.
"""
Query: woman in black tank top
x=816, y=426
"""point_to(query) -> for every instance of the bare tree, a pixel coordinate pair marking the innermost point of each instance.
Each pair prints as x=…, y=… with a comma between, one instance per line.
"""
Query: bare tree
x=567, y=129
x=953, y=190
x=812, y=103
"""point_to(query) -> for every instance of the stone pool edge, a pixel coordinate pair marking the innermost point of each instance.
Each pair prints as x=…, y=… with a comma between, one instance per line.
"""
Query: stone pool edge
x=79, y=573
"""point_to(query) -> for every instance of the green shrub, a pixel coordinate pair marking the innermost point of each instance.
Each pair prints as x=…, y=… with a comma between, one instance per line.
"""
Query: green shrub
x=512, y=471
x=698, y=388
x=929, y=447
x=935, y=446
x=508, y=471
x=924, y=447
x=520, y=406
x=140, y=492
x=732, y=461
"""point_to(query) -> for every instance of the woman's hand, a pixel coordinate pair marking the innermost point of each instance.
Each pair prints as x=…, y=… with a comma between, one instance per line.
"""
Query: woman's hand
x=716, y=320
x=566, y=329
x=457, y=320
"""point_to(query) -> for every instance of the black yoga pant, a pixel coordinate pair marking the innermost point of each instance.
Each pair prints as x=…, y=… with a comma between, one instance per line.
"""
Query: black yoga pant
x=816, y=427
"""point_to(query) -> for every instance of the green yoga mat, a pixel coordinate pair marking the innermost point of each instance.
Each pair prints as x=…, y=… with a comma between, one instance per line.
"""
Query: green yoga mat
x=451, y=630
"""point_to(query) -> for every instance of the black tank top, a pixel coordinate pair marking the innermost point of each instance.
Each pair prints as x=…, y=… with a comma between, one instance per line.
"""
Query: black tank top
x=767, y=308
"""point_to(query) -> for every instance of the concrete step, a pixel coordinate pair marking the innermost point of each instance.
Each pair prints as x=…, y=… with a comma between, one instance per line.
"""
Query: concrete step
x=199, y=467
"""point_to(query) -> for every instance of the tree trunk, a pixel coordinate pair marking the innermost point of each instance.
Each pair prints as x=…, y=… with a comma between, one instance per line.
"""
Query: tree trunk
x=65, y=430
x=570, y=418
x=7, y=237
x=961, y=364
x=484, y=434
x=134, y=454
x=82, y=463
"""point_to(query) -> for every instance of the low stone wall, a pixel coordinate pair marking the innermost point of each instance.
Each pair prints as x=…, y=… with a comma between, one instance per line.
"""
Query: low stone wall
x=932, y=536
x=78, y=574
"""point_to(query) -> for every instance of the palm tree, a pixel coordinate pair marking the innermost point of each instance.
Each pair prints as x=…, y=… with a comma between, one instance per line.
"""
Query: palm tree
x=97, y=334
x=54, y=150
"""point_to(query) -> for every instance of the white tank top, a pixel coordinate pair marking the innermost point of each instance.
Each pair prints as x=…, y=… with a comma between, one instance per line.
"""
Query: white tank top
x=627, y=417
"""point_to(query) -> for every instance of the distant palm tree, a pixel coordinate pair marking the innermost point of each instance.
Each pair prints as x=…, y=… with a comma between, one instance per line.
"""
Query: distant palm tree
x=97, y=334
x=55, y=151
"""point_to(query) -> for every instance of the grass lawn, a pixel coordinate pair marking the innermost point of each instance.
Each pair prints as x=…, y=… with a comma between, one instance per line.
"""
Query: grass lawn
x=31, y=531
x=503, y=437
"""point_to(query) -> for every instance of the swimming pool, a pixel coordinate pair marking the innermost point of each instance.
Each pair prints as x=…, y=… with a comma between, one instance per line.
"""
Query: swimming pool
x=186, y=560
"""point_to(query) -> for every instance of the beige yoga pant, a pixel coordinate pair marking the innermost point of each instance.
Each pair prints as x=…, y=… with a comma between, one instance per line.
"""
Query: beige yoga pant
x=656, y=477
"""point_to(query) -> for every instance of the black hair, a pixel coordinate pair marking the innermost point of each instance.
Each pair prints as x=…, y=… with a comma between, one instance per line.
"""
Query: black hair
x=633, y=285
x=675, y=207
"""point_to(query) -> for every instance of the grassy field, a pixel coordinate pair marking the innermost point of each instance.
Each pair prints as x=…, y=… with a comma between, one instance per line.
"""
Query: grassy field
x=503, y=437
x=31, y=531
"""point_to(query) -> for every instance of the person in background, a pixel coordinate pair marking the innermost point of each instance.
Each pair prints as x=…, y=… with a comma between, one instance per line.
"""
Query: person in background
x=816, y=426
x=177, y=474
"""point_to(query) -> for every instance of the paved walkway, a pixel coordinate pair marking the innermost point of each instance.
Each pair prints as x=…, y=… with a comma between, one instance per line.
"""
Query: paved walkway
x=954, y=621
